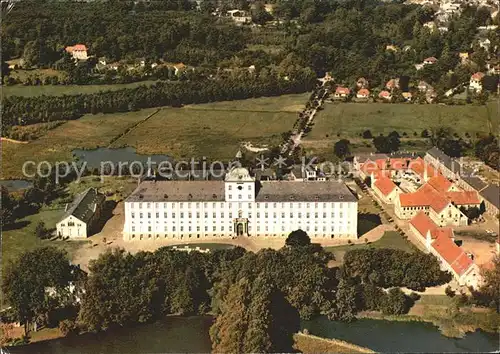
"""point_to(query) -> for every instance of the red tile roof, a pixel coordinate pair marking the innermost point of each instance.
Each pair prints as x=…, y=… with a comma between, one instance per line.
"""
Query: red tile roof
x=452, y=254
x=364, y=92
x=418, y=165
x=342, y=90
x=477, y=76
x=463, y=197
x=76, y=47
x=385, y=185
x=423, y=223
x=424, y=196
x=440, y=183
x=384, y=94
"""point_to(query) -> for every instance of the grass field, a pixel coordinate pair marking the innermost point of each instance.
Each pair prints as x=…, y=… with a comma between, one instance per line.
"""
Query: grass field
x=391, y=239
x=58, y=90
x=311, y=344
x=89, y=132
x=348, y=120
x=215, y=130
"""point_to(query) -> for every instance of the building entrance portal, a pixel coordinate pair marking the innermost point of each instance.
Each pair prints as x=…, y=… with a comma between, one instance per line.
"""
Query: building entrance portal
x=241, y=227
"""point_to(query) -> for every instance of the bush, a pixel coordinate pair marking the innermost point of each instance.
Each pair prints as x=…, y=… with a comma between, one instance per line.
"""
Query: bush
x=449, y=292
x=394, y=302
x=68, y=327
x=41, y=231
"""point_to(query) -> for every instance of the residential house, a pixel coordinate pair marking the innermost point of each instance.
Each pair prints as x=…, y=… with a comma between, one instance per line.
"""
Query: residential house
x=78, y=51
x=424, y=86
x=82, y=216
x=385, y=95
x=362, y=83
x=239, y=16
x=392, y=84
x=464, y=57
x=430, y=61
x=179, y=67
x=484, y=43
x=476, y=82
x=392, y=48
x=407, y=96
x=363, y=94
x=341, y=92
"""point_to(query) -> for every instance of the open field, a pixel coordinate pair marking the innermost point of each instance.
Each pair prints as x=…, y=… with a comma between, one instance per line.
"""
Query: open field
x=89, y=132
x=187, y=132
x=58, y=90
x=312, y=344
x=348, y=120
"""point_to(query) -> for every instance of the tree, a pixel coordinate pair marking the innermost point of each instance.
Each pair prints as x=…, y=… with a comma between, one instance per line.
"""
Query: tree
x=8, y=205
x=344, y=306
x=342, y=148
x=40, y=230
x=491, y=286
x=298, y=238
x=367, y=134
x=259, y=14
x=26, y=280
x=385, y=144
x=394, y=302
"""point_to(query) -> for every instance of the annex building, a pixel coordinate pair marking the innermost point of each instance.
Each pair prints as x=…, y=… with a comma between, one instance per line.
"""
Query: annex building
x=239, y=206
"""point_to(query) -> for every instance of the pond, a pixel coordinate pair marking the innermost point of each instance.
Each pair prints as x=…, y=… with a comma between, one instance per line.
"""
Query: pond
x=14, y=185
x=95, y=157
x=191, y=335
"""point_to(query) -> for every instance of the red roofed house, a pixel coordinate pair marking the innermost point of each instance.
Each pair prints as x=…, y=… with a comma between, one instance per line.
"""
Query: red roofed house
x=385, y=95
x=362, y=83
x=440, y=242
x=342, y=92
x=78, y=51
x=363, y=93
x=392, y=84
x=430, y=61
x=476, y=82
x=385, y=189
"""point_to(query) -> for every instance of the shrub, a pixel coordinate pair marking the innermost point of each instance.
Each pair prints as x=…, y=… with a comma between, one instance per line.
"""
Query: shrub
x=67, y=327
x=449, y=292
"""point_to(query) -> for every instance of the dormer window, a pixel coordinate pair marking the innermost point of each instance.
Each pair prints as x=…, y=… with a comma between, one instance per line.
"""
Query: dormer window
x=165, y=196
x=214, y=196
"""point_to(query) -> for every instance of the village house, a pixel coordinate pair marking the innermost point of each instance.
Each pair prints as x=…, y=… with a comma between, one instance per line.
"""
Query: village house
x=440, y=241
x=239, y=16
x=424, y=86
x=407, y=96
x=392, y=84
x=385, y=95
x=179, y=67
x=476, y=82
x=363, y=94
x=341, y=92
x=430, y=61
x=362, y=83
x=464, y=57
x=78, y=51
x=82, y=216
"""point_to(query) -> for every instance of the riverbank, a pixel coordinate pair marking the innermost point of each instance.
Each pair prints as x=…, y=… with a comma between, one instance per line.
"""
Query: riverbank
x=450, y=322
x=308, y=343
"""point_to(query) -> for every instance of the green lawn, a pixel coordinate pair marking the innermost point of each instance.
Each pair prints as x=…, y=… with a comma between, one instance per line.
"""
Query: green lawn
x=215, y=130
x=58, y=90
x=391, y=239
x=23, y=238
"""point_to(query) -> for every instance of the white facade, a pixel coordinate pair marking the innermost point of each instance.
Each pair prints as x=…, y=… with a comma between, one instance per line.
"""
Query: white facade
x=241, y=208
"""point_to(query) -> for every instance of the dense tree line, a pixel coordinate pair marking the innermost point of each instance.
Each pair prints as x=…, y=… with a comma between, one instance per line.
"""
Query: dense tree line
x=391, y=267
x=28, y=110
x=488, y=150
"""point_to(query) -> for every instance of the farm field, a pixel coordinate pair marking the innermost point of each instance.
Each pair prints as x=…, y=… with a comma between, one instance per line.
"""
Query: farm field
x=58, y=90
x=89, y=132
x=349, y=120
x=216, y=134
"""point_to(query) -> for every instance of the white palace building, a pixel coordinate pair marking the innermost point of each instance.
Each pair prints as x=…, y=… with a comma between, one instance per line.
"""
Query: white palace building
x=239, y=206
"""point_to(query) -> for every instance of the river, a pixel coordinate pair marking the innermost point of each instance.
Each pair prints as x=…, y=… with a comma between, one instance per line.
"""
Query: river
x=190, y=335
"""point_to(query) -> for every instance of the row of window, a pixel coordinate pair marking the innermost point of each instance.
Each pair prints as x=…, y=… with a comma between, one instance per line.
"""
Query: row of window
x=240, y=187
x=230, y=228
x=230, y=215
x=197, y=205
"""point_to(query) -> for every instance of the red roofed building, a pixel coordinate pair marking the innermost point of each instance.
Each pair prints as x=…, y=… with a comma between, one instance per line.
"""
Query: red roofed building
x=476, y=82
x=363, y=93
x=441, y=183
x=78, y=51
x=385, y=189
x=385, y=95
x=440, y=209
x=430, y=61
x=423, y=169
x=465, y=199
x=440, y=242
x=342, y=92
